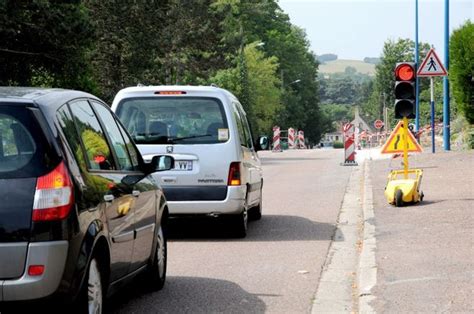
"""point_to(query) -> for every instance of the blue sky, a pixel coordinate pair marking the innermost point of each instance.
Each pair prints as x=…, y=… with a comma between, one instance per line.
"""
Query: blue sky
x=354, y=29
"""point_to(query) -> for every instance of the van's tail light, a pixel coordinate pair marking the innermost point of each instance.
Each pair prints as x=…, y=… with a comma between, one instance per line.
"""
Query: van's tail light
x=36, y=270
x=234, y=174
x=53, y=196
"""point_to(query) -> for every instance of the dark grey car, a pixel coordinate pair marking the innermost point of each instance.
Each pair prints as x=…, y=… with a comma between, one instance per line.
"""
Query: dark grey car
x=80, y=212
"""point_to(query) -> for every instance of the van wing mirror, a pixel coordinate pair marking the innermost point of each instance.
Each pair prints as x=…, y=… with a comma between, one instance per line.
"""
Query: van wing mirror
x=162, y=163
x=262, y=143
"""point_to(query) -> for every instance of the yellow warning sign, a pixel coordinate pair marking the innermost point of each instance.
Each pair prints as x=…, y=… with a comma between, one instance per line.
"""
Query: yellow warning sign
x=396, y=140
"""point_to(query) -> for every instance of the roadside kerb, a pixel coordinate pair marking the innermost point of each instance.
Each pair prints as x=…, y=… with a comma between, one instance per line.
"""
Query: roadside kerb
x=367, y=273
x=338, y=278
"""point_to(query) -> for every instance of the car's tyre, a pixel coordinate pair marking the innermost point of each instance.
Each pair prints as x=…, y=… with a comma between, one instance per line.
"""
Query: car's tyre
x=255, y=213
x=239, y=223
x=157, y=269
x=399, y=198
x=95, y=291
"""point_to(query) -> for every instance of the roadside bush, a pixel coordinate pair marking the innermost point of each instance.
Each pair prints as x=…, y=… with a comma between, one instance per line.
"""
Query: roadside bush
x=338, y=145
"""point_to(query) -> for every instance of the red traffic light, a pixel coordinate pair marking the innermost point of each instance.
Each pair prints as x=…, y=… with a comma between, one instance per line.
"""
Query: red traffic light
x=404, y=72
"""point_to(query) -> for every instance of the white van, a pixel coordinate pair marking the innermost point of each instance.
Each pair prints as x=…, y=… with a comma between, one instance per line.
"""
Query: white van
x=217, y=170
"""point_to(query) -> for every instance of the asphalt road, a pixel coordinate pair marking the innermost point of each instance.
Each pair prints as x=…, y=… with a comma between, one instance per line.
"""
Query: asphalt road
x=276, y=268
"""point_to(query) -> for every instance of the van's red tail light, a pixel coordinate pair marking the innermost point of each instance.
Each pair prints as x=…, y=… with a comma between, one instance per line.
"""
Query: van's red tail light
x=53, y=196
x=36, y=270
x=234, y=174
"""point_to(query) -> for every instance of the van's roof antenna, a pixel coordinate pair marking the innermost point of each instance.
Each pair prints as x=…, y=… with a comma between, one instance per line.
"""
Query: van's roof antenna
x=140, y=85
x=214, y=85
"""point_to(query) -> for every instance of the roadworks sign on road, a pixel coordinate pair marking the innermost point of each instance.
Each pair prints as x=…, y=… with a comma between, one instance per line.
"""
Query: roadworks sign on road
x=395, y=142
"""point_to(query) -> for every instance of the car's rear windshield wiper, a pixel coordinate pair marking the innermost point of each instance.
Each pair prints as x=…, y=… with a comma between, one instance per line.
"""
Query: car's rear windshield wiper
x=187, y=137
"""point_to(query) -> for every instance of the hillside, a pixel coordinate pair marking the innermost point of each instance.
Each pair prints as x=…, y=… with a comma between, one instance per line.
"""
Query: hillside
x=340, y=65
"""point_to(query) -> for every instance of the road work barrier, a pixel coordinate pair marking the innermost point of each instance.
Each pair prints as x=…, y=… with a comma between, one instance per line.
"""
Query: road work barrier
x=291, y=138
x=349, y=145
x=301, y=144
x=276, y=139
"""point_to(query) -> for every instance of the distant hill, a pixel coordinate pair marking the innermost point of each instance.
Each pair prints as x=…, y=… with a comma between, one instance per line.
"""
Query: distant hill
x=340, y=65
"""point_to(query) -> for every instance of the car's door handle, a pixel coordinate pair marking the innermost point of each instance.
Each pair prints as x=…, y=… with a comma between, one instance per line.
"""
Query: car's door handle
x=136, y=193
x=108, y=198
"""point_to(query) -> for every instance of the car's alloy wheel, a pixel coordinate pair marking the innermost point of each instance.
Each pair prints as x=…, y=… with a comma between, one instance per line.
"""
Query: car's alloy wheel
x=94, y=288
x=158, y=268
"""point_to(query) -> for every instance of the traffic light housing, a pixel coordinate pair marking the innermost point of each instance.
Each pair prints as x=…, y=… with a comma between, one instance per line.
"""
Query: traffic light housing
x=405, y=92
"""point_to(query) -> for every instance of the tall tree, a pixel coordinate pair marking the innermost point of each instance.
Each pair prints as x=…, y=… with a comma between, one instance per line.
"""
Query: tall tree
x=263, y=84
x=462, y=69
x=44, y=42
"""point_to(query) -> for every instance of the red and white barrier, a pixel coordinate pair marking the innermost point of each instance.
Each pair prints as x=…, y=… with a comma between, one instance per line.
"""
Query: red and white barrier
x=291, y=138
x=349, y=145
x=301, y=144
x=276, y=139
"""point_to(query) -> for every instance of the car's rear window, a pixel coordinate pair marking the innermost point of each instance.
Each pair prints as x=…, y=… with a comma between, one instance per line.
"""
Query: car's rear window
x=23, y=148
x=174, y=120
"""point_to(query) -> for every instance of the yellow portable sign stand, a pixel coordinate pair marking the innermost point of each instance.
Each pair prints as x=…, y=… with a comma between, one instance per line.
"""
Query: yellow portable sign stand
x=403, y=186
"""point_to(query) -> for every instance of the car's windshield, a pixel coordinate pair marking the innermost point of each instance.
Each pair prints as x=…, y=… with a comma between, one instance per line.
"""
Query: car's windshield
x=170, y=120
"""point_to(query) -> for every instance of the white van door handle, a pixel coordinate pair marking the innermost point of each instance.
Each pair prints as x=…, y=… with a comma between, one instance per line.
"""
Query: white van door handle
x=136, y=193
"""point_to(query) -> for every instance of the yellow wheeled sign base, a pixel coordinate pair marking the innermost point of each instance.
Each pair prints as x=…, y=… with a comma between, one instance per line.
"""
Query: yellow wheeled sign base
x=401, y=190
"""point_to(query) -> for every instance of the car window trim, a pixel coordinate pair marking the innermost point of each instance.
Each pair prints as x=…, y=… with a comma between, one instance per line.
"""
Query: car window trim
x=102, y=125
x=86, y=158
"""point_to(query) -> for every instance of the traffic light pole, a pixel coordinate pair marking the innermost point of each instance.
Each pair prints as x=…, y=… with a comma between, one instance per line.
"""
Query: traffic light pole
x=432, y=116
x=405, y=148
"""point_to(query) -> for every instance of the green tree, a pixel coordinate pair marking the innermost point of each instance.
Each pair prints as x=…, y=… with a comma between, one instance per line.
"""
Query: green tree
x=462, y=69
x=263, y=84
x=150, y=42
x=44, y=43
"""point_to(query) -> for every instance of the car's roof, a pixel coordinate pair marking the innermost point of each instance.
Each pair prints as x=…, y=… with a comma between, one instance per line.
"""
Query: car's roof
x=186, y=88
x=41, y=96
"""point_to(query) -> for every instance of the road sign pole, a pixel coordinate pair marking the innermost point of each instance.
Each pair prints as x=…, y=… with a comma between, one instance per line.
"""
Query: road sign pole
x=432, y=116
x=417, y=64
x=446, y=113
x=405, y=147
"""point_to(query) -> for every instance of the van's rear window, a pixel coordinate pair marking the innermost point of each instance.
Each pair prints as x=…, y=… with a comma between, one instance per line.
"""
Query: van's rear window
x=23, y=147
x=174, y=120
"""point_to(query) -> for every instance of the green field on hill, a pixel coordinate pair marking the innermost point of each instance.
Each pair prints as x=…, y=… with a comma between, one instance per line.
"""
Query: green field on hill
x=340, y=65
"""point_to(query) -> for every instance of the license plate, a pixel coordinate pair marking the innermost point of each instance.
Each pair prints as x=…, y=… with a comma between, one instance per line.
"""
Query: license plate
x=183, y=165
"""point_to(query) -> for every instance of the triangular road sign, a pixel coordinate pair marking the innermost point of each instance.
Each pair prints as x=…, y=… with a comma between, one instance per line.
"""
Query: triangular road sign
x=431, y=65
x=396, y=140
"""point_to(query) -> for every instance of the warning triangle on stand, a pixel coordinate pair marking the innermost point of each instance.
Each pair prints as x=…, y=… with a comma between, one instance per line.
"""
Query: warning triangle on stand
x=431, y=65
x=396, y=140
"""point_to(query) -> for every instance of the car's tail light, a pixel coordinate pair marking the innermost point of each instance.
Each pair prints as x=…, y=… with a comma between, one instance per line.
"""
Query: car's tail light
x=36, y=270
x=234, y=174
x=53, y=196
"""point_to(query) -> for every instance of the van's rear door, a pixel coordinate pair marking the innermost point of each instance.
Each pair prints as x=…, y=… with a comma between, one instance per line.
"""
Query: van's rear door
x=24, y=156
x=194, y=129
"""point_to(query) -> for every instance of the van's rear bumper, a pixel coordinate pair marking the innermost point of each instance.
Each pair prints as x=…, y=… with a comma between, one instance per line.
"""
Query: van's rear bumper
x=232, y=204
x=50, y=254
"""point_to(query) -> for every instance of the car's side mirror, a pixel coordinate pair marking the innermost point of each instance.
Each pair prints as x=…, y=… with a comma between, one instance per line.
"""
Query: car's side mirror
x=261, y=143
x=162, y=163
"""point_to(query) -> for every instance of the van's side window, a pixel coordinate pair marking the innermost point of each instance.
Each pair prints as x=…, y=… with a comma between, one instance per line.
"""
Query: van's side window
x=97, y=149
x=117, y=141
x=240, y=125
x=247, y=133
